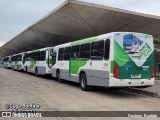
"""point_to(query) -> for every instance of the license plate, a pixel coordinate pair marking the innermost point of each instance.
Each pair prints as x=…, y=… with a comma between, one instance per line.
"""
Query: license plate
x=136, y=76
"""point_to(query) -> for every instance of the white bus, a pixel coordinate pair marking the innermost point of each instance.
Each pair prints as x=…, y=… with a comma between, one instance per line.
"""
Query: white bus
x=17, y=62
x=7, y=62
x=118, y=59
x=38, y=61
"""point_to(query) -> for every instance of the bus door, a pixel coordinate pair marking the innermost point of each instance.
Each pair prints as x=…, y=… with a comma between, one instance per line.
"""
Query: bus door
x=24, y=58
x=53, y=53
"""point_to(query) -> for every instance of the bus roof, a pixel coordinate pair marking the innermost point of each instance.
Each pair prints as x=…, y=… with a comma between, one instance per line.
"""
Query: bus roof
x=92, y=39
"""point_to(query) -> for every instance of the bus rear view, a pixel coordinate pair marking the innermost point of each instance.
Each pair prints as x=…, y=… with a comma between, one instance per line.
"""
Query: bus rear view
x=133, y=61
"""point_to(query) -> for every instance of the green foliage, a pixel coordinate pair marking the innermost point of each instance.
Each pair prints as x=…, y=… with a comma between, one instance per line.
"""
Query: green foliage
x=157, y=42
x=157, y=47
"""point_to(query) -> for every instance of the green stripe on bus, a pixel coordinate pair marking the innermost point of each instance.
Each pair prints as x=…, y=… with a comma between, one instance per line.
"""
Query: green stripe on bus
x=32, y=64
x=33, y=51
x=75, y=65
x=119, y=53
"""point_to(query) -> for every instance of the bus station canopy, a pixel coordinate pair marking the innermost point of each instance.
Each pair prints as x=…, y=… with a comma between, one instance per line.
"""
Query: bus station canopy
x=74, y=20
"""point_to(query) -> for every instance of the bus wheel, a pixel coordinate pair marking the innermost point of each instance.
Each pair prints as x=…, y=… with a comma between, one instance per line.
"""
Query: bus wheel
x=58, y=75
x=83, y=82
x=36, y=72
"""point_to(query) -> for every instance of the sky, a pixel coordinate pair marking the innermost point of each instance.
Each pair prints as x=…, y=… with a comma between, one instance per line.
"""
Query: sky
x=17, y=15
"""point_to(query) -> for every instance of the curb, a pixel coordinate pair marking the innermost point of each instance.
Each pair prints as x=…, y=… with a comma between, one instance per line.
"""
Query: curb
x=142, y=92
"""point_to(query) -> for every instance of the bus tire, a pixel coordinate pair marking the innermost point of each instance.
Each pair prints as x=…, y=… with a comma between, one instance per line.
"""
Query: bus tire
x=58, y=76
x=36, y=72
x=83, y=82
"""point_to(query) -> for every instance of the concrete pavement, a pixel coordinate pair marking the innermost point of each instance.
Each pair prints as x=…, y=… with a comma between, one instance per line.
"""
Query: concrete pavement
x=153, y=91
x=155, y=88
x=22, y=88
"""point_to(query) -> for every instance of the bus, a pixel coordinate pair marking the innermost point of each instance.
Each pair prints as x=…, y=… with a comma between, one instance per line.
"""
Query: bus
x=7, y=62
x=118, y=59
x=17, y=61
x=38, y=61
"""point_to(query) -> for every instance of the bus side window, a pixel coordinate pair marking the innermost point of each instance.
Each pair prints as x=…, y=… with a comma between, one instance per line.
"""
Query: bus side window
x=16, y=58
x=60, y=54
x=97, y=50
x=31, y=57
x=67, y=53
x=28, y=57
x=54, y=57
x=34, y=56
x=20, y=57
x=107, y=49
x=38, y=58
x=42, y=55
x=7, y=59
x=12, y=59
x=75, y=52
x=85, y=51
